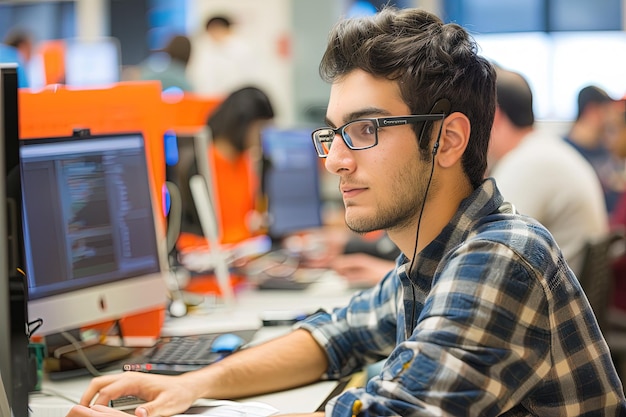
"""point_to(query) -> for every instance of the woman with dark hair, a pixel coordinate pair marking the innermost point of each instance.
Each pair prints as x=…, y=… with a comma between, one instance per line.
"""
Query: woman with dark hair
x=236, y=124
x=236, y=129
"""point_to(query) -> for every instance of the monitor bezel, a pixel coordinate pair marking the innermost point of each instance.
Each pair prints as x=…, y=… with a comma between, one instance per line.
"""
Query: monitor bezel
x=14, y=358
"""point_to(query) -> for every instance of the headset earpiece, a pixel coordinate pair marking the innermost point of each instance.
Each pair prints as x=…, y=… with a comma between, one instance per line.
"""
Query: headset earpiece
x=441, y=106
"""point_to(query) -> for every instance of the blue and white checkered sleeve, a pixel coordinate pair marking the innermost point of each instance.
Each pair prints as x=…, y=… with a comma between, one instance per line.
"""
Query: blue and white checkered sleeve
x=363, y=332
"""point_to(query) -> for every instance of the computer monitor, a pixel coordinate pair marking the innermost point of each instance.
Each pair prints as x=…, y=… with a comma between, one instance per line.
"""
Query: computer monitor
x=290, y=181
x=93, y=250
x=92, y=62
x=186, y=155
x=190, y=174
x=13, y=316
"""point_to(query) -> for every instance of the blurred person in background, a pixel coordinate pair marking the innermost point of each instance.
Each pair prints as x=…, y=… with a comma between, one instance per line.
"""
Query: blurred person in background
x=23, y=42
x=18, y=48
x=361, y=259
x=235, y=156
x=588, y=136
x=541, y=175
x=221, y=61
x=169, y=65
x=617, y=145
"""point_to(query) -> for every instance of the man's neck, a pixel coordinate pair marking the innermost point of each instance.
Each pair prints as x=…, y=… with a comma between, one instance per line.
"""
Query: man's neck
x=584, y=135
x=438, y=212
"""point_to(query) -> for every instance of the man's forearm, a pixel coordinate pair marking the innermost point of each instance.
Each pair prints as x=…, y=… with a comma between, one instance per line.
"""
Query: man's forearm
x=287, y=362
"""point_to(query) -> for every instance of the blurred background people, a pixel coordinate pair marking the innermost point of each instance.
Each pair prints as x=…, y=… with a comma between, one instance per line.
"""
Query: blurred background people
x=221, y=61
x=361, y=259
x=23, y=42
x=18, y=47
x=588, y=135
x=617, y=145
x=541, y=175
x=235, y=156
x=169, y=65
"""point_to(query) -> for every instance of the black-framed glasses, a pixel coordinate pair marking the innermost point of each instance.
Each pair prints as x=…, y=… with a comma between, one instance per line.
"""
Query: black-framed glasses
x=363, y=133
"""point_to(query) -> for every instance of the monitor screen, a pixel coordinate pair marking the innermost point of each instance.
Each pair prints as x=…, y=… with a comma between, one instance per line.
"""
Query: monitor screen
x=92, y=249
x=13, y=317
x=92, y=62
x=290, y=181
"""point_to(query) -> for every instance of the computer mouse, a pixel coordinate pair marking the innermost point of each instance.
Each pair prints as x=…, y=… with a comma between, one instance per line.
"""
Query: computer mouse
x=226, y=343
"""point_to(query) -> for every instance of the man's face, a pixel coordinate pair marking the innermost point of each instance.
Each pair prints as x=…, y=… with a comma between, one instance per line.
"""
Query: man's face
x=382, y=187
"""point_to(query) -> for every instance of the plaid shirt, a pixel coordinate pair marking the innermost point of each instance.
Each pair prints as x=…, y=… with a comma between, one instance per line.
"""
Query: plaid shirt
x=490, y=322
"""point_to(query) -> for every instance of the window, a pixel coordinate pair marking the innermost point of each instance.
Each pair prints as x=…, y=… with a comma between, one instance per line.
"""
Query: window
x=485, y=16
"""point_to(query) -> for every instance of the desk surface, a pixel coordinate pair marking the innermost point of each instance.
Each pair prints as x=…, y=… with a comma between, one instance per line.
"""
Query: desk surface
x=330, y=291
x=327, y=292
x=60, y=396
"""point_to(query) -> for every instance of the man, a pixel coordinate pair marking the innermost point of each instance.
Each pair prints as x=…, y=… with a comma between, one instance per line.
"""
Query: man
x=541, y=175
x=588, y=136
x=481, y=316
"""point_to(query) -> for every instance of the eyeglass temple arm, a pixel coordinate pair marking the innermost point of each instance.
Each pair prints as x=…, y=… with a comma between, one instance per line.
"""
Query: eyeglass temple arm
x=441, y=106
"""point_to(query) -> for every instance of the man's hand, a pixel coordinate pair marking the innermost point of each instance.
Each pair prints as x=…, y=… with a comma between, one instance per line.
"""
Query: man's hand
x=362, y=269
x=165, y=395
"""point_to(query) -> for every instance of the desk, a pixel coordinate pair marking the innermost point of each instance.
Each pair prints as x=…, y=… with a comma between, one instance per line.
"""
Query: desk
x=328, y=292
x=297, y=400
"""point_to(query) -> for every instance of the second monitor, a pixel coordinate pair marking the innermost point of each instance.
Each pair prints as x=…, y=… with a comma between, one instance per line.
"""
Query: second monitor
x=291, y=181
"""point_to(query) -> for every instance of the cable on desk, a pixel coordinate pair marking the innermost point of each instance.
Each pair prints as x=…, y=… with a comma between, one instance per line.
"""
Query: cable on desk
x=79, y=349
x=339, y=388
x=275, y=264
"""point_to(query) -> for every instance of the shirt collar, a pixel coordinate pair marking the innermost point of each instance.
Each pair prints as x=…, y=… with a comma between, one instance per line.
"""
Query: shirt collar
x=485, y=200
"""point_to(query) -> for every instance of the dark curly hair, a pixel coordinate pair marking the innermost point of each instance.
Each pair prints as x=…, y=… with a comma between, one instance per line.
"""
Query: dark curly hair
x=429, y=60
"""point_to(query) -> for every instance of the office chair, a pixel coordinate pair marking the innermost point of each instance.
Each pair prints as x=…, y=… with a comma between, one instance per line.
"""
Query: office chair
x=596, y=277
x=596, y=280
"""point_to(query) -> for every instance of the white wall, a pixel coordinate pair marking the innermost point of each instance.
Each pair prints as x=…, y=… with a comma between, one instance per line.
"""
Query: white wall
x=92, y=19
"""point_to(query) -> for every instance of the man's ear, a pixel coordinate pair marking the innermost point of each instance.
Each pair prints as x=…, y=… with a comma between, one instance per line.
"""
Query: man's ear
x=455, y=135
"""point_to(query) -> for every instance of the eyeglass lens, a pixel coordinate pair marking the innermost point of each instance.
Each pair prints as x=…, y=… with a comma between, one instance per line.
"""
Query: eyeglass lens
x=359, y=134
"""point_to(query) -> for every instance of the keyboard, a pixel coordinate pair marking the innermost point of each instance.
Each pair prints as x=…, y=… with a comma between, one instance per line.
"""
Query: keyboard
x=179, y=354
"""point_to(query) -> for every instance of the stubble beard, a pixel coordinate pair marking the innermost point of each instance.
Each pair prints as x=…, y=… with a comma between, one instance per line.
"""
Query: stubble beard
x=401, y=206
